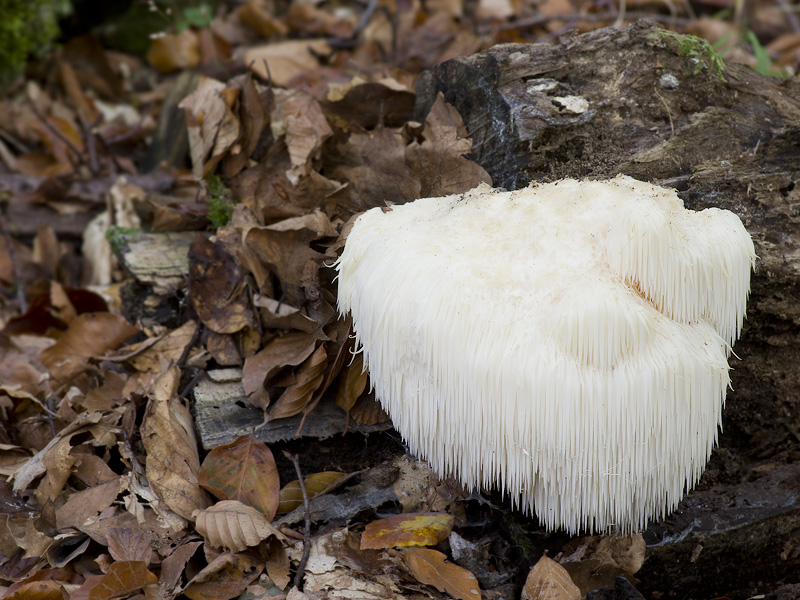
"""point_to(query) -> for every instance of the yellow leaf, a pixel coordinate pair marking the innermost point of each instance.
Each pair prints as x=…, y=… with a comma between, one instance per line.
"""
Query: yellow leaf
x=411, y=529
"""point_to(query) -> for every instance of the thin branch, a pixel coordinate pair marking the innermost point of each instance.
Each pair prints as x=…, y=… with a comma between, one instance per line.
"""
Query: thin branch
x=301, y=566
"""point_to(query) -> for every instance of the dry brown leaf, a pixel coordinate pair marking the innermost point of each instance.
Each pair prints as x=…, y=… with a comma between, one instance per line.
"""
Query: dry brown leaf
x=548, y=580
x=88, y=503
x=243, y=470
x=216, y=285
x=223, y=349
x=376, y=171
x=276, y=314
x=410, y=529
x=234, y=526
x=309, y=19
x=89, y=335
x=37, y=589
x=352, y=383
x=130, y=544
x=226, y=576
x=277, y=564
x=286, y=60
x=287, y=350
x=316, y=484
x=370, y=103
x=122, y=579
x=432, y=568
x=172, y=51
x=213, y=127
x=258, y=15
x=439, y=161
x=168, y=350
x=596, y=561
x=368, y=411
x=168, y=436
x=287, y=254
x=297, y=397
x=55, y=460
x=173, y=566
x=301, y=117
x=254, y=115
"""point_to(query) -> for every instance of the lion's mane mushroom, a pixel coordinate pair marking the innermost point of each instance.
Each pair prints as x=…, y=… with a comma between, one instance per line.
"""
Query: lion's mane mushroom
x=567, y=343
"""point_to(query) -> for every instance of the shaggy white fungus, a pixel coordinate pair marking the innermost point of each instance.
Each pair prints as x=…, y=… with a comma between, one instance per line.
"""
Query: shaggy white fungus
x=567, y=343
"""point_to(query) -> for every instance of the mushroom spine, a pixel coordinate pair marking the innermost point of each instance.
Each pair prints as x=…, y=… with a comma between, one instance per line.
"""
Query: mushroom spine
x=567, y=343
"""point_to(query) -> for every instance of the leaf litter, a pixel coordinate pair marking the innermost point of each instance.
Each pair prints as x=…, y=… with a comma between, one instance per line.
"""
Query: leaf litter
x=129, y=295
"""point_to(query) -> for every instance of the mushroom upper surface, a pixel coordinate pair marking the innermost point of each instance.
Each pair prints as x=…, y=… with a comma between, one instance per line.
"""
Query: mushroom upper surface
x=567, y=342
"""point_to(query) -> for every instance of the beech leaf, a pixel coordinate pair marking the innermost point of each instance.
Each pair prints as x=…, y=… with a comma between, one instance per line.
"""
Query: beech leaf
x=316, y=484
x=121, y=579
x=243, y=470
x=410, y=529
x=548, y=580
x=234, y=526
x=432, y=568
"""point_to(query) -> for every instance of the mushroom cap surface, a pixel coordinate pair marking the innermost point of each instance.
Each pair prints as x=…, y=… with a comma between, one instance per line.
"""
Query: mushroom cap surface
x=567, y=343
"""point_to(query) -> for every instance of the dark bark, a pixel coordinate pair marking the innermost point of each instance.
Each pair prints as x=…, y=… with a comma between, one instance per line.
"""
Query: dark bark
x=660, y=108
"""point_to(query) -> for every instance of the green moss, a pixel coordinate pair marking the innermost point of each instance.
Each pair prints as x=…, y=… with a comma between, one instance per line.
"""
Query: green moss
x=118, y=237
x=699, y=52
x=27, y=28
x=220, y=204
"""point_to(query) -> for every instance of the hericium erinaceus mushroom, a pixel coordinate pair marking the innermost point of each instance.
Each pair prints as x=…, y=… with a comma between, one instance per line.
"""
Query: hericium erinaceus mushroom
x=567, y=343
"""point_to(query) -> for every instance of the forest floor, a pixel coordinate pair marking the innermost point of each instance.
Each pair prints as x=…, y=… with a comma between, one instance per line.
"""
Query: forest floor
x=172, y=363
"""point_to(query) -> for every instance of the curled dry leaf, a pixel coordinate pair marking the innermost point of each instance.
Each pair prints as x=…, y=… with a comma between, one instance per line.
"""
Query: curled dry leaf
x=316, y=484
x=352, y=382
x=89, y=335
x=227, y=576
x=297, y=397
x=410, y=529
x=244, y=470
x=287, y=350
x=432, y=568
x=173, y=462
x=213, y=128
x=234, y=526
x=548, y=580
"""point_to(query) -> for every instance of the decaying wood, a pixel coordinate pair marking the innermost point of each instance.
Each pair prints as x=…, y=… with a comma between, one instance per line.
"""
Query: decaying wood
x=159, y=260
x=223, y=413
x=663, y=109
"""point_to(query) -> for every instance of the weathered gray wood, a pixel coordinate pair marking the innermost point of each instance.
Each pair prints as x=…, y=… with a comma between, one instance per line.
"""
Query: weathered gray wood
x=222, y=413
x=159, y=260
x=663, y=109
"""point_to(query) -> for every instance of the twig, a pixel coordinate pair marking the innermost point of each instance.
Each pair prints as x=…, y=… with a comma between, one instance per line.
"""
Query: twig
x=790, y=15
x=301, y=566
x=190, y=386
x=87, y=131
x=12, y=256
x=185, y=354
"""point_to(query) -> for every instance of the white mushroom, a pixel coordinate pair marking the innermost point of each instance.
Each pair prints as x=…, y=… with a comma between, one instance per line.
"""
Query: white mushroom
x=567, y=342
